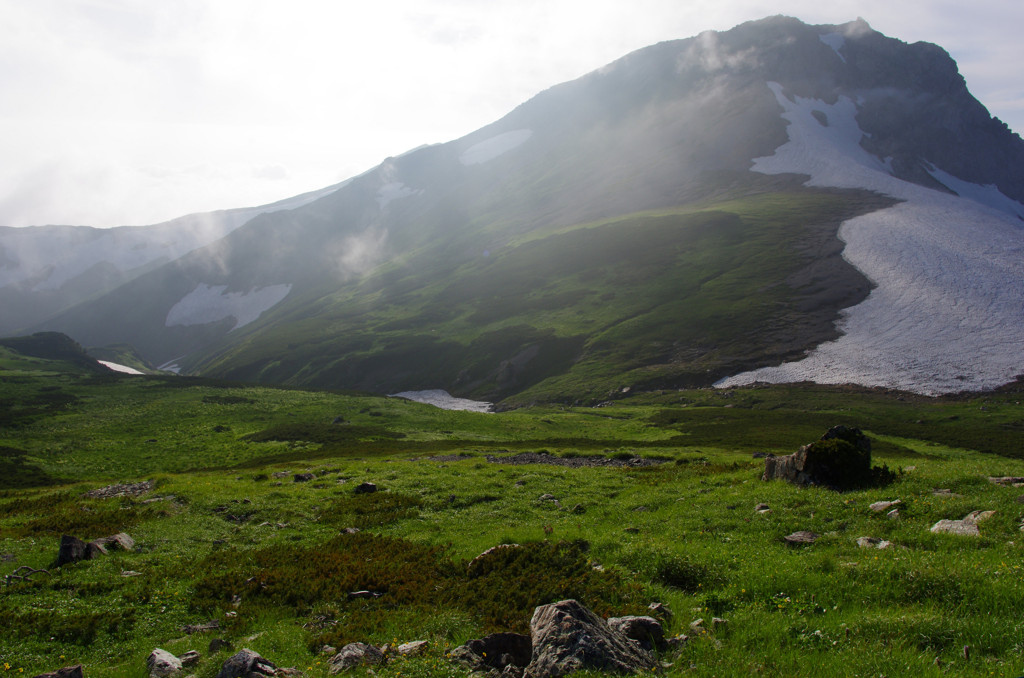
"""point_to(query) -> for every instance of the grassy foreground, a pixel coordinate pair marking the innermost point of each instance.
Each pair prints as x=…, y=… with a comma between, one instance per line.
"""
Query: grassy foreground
x=221, y=537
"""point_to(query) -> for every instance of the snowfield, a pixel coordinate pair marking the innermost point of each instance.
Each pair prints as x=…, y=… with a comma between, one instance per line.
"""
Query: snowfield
x=489, y=149
x=212, y=303
x=947, y=312
x=445, y=400
x=117, y=367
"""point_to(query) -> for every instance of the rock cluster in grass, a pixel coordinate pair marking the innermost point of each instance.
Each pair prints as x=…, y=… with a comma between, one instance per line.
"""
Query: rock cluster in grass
x=120, y=490
x=841, y=459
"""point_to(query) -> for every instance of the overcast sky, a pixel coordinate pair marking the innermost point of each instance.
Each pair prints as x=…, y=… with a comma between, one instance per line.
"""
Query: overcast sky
x=118, y=112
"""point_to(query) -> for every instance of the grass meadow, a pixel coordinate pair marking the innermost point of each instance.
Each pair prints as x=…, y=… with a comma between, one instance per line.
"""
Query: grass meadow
x=228, y=534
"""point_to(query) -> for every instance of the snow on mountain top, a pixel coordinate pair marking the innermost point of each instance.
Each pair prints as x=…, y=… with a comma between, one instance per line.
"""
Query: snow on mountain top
x=946, y=314
x=835, y=41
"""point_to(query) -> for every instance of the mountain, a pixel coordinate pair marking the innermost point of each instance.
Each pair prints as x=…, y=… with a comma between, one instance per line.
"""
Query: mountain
x=47, y=269
x=775, y=202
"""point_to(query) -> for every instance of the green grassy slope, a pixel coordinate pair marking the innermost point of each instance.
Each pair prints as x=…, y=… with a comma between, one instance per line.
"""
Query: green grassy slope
x=225, y=539
x=677, y=297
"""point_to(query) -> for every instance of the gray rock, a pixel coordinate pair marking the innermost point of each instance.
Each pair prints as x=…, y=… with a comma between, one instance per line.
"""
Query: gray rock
x=413, y=648
x=303, y=477
x=880, y=506
x=645, y=630
x=762, y=508
x=246, y=664
x=190, y=658
x=801, y=538
x=353, y=655
x=115, y=542
x=873, y=543
x=966, y=527
x=568, y=637
x=162, y=663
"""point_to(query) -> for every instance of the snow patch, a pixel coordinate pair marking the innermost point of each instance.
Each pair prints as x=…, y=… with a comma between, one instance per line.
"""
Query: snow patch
x=395, y=191
x=124, y=369
x=835, y=41
x=946, y=313
x=445, y=400
x=988, y=194
x=490, y=149
x=212, y=303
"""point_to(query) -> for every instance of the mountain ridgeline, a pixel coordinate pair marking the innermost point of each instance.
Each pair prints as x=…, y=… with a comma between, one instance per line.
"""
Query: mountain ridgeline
x=611, y=232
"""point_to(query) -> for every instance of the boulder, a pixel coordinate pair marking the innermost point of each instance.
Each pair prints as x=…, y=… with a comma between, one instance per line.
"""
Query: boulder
x=72, y=549
x=645, y=630
x=162, y=663
x=115, y=542
x=840, y=459
x=498, y=652
x=966, y=526
x=568, y=637
x=247, y=664
x=365, y=488
x=353, y=655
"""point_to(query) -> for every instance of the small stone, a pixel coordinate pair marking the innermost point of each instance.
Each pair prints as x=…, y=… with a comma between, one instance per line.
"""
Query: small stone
x=801, y=538
x=547, y=497
x=364, y=595
x=328, y=649
x=190, y=658
x=893, y=514
x=303, y=477
x=762, y=508
x=578, y=509
x=350, y=530
x=130, y=573
x=697, y=627
x=880, y=506
x=365, y=488
x=872, y=543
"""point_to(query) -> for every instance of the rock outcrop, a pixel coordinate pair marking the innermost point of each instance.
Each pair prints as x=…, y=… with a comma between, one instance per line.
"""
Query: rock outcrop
x=568, y=637
x=840, y=459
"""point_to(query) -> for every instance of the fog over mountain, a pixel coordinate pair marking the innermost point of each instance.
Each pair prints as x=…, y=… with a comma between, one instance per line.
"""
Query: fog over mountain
x=703, y=210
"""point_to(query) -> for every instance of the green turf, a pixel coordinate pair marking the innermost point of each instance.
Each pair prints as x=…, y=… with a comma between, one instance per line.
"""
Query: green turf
x=226, y=535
